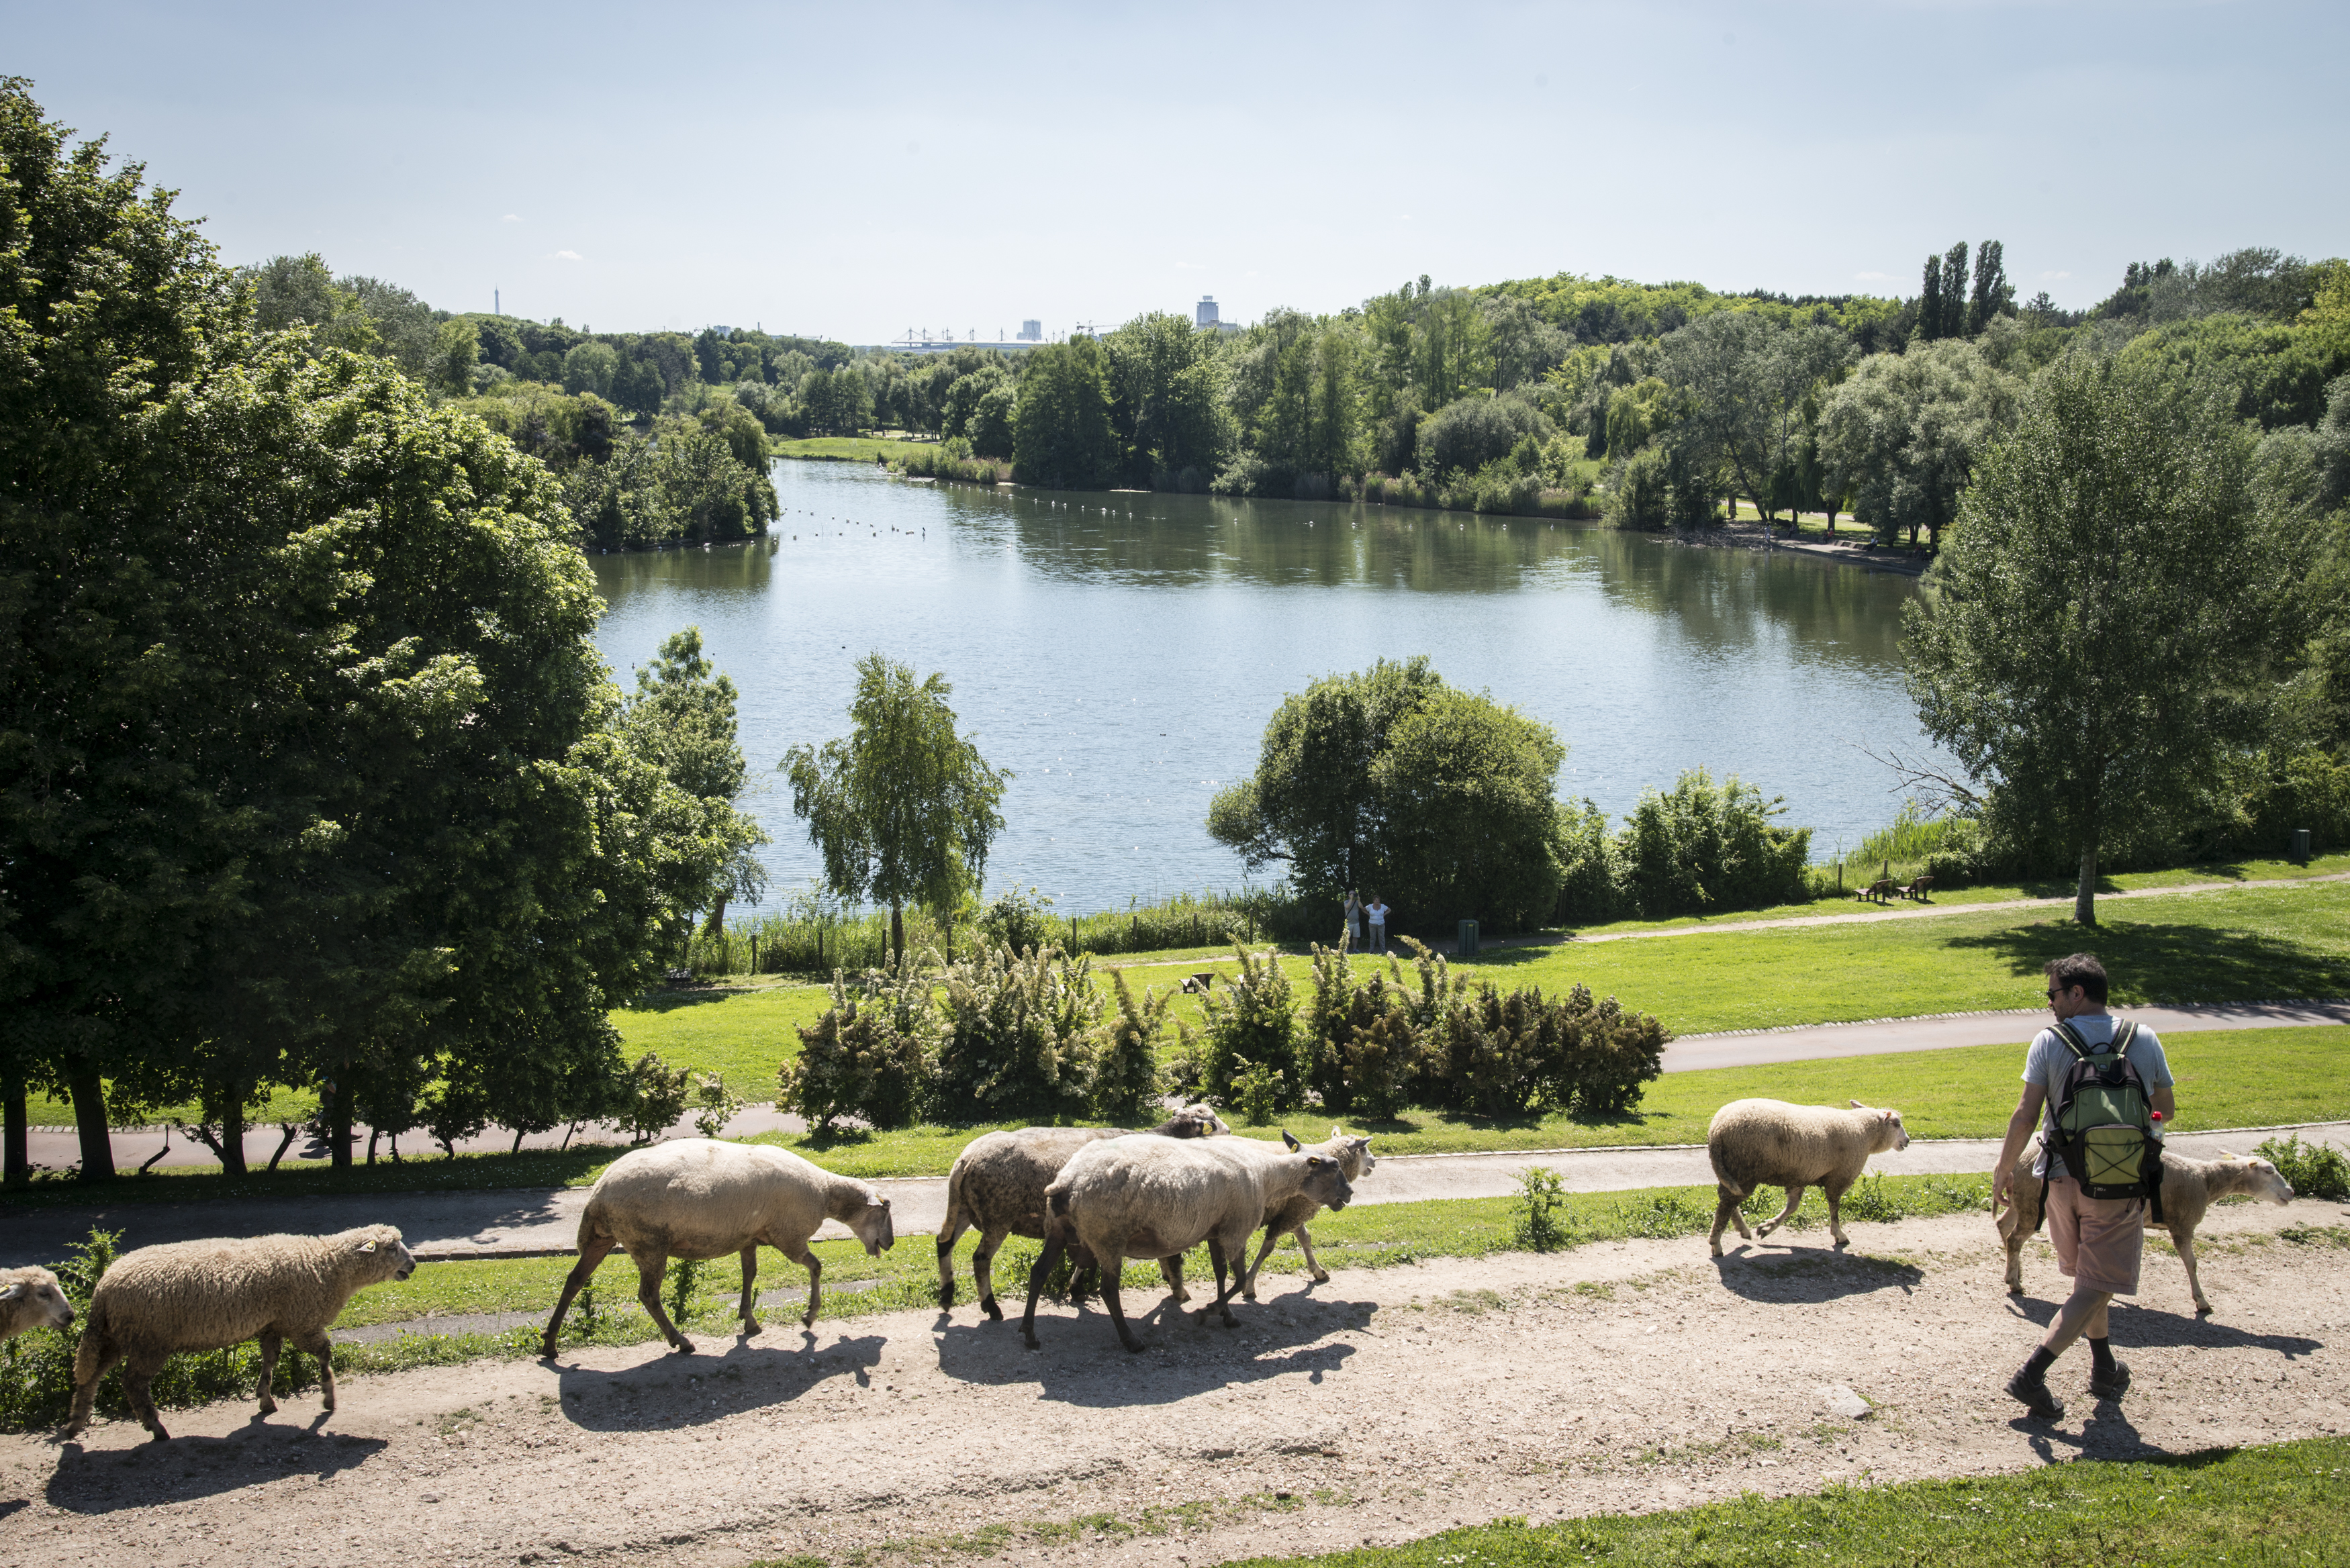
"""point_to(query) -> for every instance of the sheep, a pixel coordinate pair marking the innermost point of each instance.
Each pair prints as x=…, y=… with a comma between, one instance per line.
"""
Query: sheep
x=1355, y=1158
x=2188, y=1189
x=208, y=1295
x=1770, y=1143
x=997, y=1187
x=30, y=1298
x=1144, y=1196
x=697, y=1198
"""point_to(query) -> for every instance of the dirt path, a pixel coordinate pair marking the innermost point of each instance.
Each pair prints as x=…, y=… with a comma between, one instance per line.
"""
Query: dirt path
x=1383, y=1406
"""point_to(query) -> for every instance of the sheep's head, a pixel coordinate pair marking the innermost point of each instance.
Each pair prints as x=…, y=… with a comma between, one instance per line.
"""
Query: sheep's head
x=1891, y=1133
x=383, y=1254
x=1353, y=1154
x=2269, y=1183
x=1195, y=1121
x=875, y=1227
x=1326, y=1183
x=33, y=1296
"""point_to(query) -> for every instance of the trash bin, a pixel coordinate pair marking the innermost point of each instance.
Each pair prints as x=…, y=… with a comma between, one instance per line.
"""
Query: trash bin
x=1468, y=939
x=2300, y=847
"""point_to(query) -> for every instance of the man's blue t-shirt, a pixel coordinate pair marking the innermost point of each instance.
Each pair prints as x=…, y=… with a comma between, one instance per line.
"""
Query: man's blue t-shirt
x=2051, y=1060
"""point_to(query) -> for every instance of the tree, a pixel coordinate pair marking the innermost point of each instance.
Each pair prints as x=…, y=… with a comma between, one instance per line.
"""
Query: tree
x=1746, y=379
x=903, y=810
x=298, y=291
x=2104, y=612
x=456, y=350
x=1389, y=780
x=1063, y=436
x=682, y=720
x=1901, y=434
x=1993, y=296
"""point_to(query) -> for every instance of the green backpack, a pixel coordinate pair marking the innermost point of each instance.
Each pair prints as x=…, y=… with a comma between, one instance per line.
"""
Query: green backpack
x=2102, y=1125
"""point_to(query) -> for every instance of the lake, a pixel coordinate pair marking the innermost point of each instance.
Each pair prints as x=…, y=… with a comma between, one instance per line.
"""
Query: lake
x=1121, y=653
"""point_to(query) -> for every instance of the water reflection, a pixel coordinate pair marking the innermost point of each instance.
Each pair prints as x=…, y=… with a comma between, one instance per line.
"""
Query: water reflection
x=1122, y=652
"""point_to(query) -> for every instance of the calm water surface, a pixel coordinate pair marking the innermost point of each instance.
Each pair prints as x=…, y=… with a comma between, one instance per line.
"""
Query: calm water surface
x=1122, y=653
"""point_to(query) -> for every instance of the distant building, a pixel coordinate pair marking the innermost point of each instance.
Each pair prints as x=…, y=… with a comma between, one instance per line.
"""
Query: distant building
x=1031, y=332
x=1208, y=311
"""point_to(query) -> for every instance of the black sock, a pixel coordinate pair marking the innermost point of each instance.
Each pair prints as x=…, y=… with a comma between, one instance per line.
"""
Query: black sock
x=2037, y=1367
x=2101, y=1354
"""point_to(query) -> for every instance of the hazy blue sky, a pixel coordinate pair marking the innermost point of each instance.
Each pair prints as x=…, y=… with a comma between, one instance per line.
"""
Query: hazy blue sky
x=854, y=171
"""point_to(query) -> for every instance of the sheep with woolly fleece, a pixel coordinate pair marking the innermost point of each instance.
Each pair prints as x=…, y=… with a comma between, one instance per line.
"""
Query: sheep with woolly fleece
x=2189, y=1188
x=31, y=1298
x=1770, y=1143
x=699, y=1199
x=208, y=1295
x=997, y=1187
x=1144, y=1197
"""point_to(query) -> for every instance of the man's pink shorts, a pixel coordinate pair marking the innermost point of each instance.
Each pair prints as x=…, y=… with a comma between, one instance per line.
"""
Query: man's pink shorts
x=2100, y=1241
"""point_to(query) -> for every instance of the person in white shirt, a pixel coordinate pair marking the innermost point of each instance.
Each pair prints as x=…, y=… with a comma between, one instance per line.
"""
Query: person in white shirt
x=1375, y=913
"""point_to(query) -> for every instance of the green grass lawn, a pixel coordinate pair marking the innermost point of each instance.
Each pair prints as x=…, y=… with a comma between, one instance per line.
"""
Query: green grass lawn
x=849, y=449
x=2284, y=1503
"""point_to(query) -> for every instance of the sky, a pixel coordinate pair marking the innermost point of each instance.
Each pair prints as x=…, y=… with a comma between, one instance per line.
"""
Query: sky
x=861, y=171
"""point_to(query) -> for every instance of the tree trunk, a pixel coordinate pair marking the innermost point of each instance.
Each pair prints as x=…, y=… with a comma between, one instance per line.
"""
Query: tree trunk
x=232, y=1124
x=339, y=1131
x=19, y=1160
x=898, y=933
x=716, y=926
x=89, y=1093
x=2085, y=901
x=285, y=1131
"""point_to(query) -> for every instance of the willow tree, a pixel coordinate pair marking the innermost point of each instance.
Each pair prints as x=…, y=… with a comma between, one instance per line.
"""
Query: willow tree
x=903, y=808
x=2105, y=609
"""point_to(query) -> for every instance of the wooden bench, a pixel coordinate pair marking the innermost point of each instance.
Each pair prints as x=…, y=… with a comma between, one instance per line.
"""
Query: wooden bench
x=1917, y=888
x=1876, y=892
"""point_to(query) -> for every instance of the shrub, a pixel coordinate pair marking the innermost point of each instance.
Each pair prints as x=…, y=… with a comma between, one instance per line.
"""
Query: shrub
x=1016, y=922
x=2314, y=1170
x=868, y=1056
x=1126, y=1068
x=1363, y=1044
x=1711, y=847
x=652, y=1096
x=1018, y=1036
x=1611, y=1055
x=1251, y=1024
x=1467, y=435
x=714, y=1104
x=1539, y=1225
x=1640, y=497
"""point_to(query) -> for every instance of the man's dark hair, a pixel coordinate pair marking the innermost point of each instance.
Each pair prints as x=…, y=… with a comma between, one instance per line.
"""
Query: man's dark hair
x=2082, y=969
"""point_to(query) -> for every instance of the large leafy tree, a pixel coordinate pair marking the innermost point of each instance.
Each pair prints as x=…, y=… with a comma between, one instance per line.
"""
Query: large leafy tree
x=681, y=718
x=1746, y=378
x=903, y=808
x=1389, y=780
x=1900, y=435
x=1062, y=435
x=2105, y=611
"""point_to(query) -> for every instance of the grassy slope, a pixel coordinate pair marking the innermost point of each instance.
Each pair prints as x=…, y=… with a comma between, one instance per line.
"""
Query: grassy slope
x=853, y=449
x=2279, y=1504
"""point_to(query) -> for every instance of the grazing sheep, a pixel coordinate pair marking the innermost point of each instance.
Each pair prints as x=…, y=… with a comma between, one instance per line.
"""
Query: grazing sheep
x=1770, y=1143
x=208, y=1295
x=1355, y=1157
x=30, y=1298
x=1146, y=1197
x=697, y=1199
x=997, y=1187
x=2189, y=1187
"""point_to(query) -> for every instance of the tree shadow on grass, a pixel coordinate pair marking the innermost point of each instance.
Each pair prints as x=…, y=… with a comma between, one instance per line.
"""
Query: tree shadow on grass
x=2152, y=962
x=698, y=996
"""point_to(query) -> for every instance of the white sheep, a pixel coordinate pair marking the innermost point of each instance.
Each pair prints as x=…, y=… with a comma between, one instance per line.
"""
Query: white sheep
x=30, y=1298
x=1770, y=1143
x=2189, y=1187
x=1146, y=1197
x=208, y=1295
x=997, y=1187
x=697, y=1198
x=1290, y=1211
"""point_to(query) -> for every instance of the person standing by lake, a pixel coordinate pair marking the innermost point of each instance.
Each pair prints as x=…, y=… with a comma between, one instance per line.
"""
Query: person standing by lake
x=1375, y=914
x=1354, y=921
x=2100, y=1241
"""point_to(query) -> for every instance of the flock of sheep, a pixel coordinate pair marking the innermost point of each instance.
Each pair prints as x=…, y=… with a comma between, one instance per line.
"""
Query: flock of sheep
x=1093, y=1196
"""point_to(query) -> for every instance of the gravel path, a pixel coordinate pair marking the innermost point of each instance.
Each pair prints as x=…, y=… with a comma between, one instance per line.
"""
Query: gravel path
x=1381, y=1407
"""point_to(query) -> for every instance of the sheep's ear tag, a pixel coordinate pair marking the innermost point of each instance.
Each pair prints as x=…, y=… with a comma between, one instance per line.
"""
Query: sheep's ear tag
x=366, y=1246
x=12, y=1292
x=1292, y=1142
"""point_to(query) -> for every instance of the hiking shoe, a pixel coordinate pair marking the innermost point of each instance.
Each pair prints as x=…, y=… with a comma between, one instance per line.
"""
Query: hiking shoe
x=2110, y=1384
x=2033, y=1395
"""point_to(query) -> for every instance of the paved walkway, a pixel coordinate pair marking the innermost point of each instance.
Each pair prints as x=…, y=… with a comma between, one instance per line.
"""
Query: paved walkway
x=539, y=1222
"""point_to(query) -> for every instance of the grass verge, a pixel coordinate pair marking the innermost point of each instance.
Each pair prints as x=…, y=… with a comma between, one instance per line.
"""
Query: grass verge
x=844, y=448
x=2284, y=1503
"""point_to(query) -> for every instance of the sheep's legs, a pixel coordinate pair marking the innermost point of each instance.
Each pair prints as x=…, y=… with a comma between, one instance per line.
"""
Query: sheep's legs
x=136, y=1376
x=983, y=1271
x=750, y=1323
x=1725, y=1212
x=1248, y=1281
x=1218, y=1261
x=1172, y=1271
x=594, y=1253
x=1313, y=1264
x=949, y=1234
x=1056, y=1244
x=270, y=1346
x=650, y=1268
x=1836, y=1215
x=1111, y=1267
x=315, y=1343
x=2185, y=1245
x=101, y=1355
x=1795, y=1201
x=808, y=1260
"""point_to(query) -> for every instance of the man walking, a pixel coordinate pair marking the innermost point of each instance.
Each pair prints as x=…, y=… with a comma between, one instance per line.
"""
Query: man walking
x=2099, y=1241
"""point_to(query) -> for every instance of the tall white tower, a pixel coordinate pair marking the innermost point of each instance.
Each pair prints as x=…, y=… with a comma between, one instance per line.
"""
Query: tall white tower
x=1207, y=317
